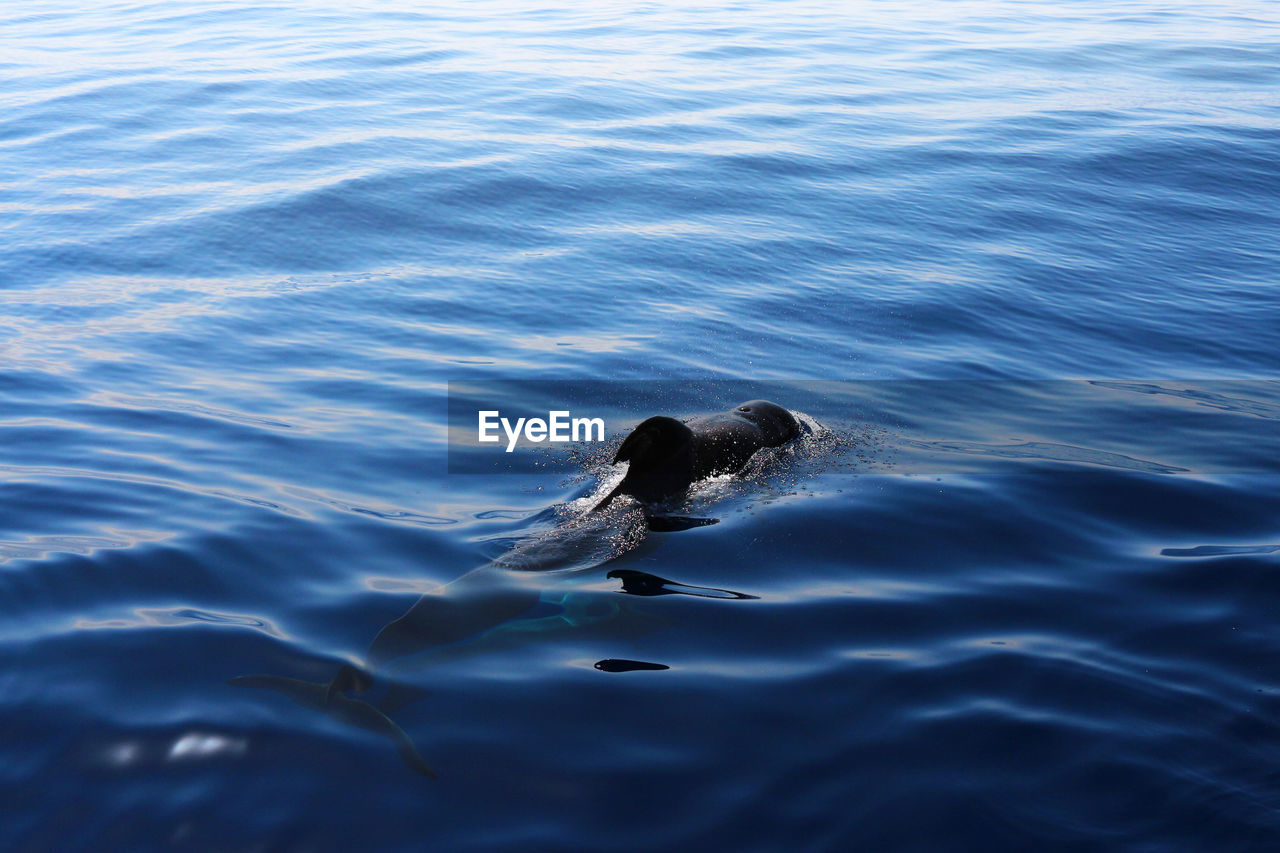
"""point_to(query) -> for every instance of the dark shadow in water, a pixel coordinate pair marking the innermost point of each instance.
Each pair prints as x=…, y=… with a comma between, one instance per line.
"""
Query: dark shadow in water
x=321, y=697
x=1219, y=550
x=483, y=599
x=622, y=665
x=643, y=583
x=504, y=594
x=676, y=523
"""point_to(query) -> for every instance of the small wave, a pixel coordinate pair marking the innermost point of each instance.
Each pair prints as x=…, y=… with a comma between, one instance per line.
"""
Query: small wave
x=179, y=617
x=1219, y=550
x=187, y=407
x=1205, y=397
x=385, y=513
x=580, y=540
x=506, y=514
x=40, y=472
x=41, y=547
x=1046, y=451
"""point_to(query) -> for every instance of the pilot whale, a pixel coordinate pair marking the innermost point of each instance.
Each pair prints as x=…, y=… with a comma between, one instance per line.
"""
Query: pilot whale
x=323, y=697
x=666, y=455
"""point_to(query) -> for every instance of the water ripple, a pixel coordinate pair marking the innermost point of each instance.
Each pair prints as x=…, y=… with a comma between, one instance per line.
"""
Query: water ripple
x=253, y=251
x=179, y=617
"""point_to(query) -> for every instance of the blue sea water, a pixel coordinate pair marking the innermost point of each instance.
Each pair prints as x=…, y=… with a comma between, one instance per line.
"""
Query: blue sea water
x=1016, y=262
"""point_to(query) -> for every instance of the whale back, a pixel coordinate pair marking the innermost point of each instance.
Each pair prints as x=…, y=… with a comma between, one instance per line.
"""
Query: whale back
x=723, y=442
x=665, y=455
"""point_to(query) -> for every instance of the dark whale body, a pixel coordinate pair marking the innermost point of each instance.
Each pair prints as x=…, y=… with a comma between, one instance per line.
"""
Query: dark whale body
x=666, y=456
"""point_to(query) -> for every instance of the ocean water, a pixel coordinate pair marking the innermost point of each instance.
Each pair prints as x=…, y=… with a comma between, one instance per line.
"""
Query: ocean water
x=1015, y=588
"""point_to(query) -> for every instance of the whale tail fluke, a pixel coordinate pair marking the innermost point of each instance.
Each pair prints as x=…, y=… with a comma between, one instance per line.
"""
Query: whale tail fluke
x=354, y=712
x=348, y=678
x=409, y=755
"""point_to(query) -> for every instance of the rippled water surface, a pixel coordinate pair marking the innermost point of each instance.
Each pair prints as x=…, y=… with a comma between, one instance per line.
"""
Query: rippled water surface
x=1015, y=588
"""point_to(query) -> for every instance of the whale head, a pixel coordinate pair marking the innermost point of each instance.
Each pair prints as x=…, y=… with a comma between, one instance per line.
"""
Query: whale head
x=776, y=424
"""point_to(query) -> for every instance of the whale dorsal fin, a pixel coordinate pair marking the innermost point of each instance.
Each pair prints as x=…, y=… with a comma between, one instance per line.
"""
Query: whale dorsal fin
x=653, y=439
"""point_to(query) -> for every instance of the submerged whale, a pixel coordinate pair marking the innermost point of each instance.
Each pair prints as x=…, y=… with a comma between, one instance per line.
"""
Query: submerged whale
x=666, y=455
x=323, y=697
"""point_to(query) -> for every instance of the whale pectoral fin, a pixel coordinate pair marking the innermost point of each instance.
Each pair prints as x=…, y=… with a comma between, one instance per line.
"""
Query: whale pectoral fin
x=349, y=677
x=676, y=523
